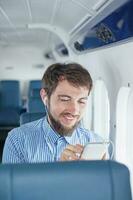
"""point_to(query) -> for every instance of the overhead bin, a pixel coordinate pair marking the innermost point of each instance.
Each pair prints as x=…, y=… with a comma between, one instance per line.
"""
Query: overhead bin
x=113, y=24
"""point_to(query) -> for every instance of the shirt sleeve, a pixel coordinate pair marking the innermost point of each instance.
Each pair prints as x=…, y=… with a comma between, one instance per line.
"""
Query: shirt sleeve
x=12, y=152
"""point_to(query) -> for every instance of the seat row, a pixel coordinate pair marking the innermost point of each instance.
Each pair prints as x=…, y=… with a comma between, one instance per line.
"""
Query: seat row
x=11, y=103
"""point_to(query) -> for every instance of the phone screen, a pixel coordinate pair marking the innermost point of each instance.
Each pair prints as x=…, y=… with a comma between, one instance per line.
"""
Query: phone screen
x=95, y=151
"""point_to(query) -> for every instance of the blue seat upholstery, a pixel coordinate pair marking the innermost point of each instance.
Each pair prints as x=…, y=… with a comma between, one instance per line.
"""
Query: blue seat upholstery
x=35, y=104
x=10, y=94
x=29, y=117
x=35, y=93
x=35, y=109
x=10, y=103
x=87, y=180
x=33, y=84
x=9, y=117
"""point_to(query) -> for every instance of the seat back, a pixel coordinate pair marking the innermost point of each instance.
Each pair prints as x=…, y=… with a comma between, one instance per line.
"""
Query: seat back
x=29, y=117
x=35, y=105
x=10, y=94
x=35, y=109
x=33, y=84
x=10, y=103
x=94, y=180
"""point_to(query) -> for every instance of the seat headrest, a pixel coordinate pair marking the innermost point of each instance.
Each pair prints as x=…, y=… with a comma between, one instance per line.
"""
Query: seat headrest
x=94, y=180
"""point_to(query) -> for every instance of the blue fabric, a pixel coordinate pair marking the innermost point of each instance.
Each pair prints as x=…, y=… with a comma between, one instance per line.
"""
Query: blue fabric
x=10, y=94
x=29, y=117
x=10, y=103
x=33, y=84
x=35, y=93
x=87, y=180
x=37, y=142
x=9, y=117
x=35, y=105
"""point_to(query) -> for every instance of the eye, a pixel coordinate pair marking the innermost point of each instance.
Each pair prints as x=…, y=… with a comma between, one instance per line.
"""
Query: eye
x=83, y=101
x=64, y=99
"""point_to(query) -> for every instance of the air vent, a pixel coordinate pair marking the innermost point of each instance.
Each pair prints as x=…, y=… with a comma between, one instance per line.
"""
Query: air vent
x=49, y=56
x=61, y=50
x=78, y=46
x=38, y=66
x=9, y=68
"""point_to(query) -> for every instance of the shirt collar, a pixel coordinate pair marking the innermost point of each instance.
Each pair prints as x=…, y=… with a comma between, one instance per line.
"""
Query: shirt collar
x=51, y=135
x=72, y=139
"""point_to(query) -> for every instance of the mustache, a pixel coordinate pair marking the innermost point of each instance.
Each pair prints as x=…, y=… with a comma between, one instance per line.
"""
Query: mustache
x=68, y=113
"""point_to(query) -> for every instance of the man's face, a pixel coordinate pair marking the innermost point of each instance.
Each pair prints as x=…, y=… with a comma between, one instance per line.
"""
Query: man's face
x=66, y=107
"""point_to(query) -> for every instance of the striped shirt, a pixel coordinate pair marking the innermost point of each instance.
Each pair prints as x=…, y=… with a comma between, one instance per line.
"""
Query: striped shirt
x=37, y=142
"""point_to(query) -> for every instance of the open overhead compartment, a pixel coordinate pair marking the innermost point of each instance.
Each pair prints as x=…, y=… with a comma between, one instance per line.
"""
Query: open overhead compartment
x=111, y=24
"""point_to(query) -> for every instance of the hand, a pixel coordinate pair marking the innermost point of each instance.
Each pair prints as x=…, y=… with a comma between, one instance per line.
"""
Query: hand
x=71, y=152
x=104, y=157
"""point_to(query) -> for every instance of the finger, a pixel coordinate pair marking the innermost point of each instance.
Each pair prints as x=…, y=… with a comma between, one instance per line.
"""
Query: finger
x=75, y=148
x=80, y=147
x=68, y=155
x=104, y=157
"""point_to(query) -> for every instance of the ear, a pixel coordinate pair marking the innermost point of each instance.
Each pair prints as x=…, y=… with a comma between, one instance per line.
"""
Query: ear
x=44, y=96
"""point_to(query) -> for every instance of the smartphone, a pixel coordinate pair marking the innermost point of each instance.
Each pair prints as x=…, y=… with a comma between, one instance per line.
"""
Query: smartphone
x=95, y=151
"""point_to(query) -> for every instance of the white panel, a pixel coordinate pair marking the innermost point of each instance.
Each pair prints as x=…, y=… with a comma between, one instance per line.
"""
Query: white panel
x=121, y=124
x=16, y=11
x=27, y=37
x=93, y=4
x=89, y=3
x=3, y=21
x=54, y=40
x=69, y=15
x=100, y=4
x=42, y=10
x=34, y=37
x=130, y=136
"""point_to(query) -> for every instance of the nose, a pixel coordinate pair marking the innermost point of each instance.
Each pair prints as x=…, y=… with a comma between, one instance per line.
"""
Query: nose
x=73, y=108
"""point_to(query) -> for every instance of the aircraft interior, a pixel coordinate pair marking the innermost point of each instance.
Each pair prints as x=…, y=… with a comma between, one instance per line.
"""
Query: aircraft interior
x=98, y=34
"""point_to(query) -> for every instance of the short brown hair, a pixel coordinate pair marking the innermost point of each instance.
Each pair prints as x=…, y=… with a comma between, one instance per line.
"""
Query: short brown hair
x=72, y=72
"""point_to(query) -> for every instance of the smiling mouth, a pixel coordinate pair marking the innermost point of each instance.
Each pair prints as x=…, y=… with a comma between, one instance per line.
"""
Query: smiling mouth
x=70, y=117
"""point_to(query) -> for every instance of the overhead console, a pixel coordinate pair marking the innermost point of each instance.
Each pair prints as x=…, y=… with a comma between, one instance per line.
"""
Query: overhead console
x=112, y=22
x=61, y=50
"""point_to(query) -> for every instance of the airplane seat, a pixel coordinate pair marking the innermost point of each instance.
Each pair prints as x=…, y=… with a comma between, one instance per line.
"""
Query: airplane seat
x=35, y=93
x=29, y=117
x=35, y=103
x=9, y=117
x=10, y=103
x=33, y=84
x=36, y=108
x=94, y=180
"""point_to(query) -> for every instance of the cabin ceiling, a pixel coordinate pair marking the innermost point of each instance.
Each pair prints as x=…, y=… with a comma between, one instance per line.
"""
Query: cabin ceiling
x=18, y=17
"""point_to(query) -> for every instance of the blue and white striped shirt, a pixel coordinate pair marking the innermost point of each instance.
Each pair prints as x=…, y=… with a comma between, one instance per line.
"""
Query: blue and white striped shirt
x=37, y=142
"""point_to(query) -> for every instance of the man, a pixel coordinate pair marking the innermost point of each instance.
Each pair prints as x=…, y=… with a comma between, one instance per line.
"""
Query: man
x=58, y=136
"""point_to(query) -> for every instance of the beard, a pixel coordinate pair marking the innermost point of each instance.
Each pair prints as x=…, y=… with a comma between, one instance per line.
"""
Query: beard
x=58, y=127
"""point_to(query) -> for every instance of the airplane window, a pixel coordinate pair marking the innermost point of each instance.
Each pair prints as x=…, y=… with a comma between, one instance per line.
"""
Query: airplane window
x=130, y=135
x=121, y=124
x=101, y=111
x=124, y=121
